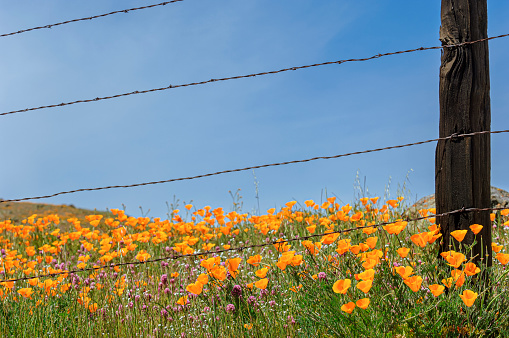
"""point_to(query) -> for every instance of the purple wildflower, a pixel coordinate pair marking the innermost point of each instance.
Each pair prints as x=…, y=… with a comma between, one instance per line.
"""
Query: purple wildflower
x=164, y=279
x=237, y=291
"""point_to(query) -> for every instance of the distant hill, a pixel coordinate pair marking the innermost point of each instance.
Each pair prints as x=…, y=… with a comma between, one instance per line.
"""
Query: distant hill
x=499, y=198
x=17, y=211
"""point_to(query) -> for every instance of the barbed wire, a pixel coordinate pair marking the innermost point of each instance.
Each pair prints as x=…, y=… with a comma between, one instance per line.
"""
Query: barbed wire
x=247, y=76
x=242, y=248
x=90, y=17
x=454, y=136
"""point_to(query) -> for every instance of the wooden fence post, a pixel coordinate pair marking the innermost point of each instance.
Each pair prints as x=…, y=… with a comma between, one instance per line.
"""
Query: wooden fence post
x=462, y=165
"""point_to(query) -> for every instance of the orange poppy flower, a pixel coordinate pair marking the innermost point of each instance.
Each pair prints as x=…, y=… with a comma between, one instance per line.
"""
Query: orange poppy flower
x=8, y=285
x=341, y=286
x=447, y=282
x=432, y=237
x=453, y=258
x=355, y=249
x=404, y=272
x=296, y=288
x=365, y=286
x=281, y=265
x=281, y=245
x=262, y=272
x=255, y=260
x=495, y=247
x=183, y=300
x=218, y=272
x=296, y=260
x=403, y=252
x=143, y=255
x=203, y=279
x=287, y=257
x=92, y=307
x=262, y=283
x=476, y=228
x=369, y=230
x=371, y=242
x=329, y=239
x=343, y=246
x=65, y=287
x=413, y=283
x=436, y=289
x=502, y=258
x=393, y=203
x=468, y=297
x=370, y=263
x=195, y=288
x=366, y=275
x=356, y=217
x=362, y=303
x=348, y=307
x=290, y=204
x=420, y=239
x=312, y=248
x=233, y=266
x=364, y=247
x=459, y=277
x=311, y=228
x=26, y=292
x=30, y=251
x=459, y=235
x=471, y=269
x=395, y=228
x=210, y=262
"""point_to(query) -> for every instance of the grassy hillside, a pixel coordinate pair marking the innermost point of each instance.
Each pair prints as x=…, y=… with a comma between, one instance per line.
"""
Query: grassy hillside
x=17, y=211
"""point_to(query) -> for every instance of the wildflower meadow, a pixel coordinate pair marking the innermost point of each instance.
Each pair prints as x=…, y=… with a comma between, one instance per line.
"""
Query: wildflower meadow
x=374, y=281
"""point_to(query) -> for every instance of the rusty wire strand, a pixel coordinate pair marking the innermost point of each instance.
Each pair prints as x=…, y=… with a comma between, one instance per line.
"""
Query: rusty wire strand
x=90, y=17
x=454, y=136
x=246, y=76
x=240, y=249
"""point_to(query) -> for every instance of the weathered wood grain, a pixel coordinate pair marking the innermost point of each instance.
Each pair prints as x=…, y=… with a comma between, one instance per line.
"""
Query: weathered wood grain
x=462, y=165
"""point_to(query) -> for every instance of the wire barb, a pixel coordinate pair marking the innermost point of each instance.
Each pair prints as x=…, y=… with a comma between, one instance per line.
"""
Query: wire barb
x=240, y=249
x=250, y=168
x=90, y=18
x=245, y=76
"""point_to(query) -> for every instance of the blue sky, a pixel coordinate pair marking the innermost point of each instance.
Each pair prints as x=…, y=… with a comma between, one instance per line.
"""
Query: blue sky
x=189, y=131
